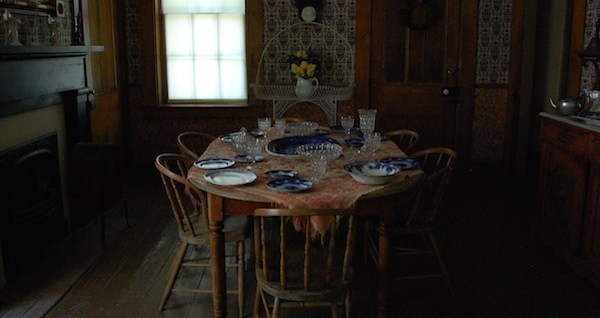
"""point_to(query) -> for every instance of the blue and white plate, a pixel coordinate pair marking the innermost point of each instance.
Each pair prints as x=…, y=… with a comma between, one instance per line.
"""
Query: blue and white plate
x=214, y=163
x=290, y=185
x=281, y=174
x=341, y=130
x=402, y=162
x=286, y=146
x=256, y=133
x=355, y=142
x=228, y=137
x=248, y=158
x=230, y=177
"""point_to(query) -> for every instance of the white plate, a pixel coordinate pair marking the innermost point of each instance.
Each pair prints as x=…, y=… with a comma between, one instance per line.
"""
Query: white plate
x=290, y=185
x=214, y=163
x=230, y=177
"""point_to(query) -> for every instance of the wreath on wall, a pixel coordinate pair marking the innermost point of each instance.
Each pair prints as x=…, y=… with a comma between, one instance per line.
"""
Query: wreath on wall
x=430, y=14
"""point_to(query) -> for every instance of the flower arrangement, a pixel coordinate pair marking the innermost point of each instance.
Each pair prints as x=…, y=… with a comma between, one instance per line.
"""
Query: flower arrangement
x=304, y=64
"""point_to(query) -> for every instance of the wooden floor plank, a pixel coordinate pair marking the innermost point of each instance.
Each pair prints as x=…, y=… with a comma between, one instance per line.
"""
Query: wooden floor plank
x=76, y=278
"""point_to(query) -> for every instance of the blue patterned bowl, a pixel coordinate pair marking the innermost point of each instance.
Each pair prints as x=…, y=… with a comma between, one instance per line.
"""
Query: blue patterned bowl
x=372, y=173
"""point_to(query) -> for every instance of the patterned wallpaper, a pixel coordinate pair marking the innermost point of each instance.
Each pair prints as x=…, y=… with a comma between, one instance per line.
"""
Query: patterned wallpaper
x=493, y=48
x=134, y=72
x=36, y=30
x=335, y=41
x=591, y=17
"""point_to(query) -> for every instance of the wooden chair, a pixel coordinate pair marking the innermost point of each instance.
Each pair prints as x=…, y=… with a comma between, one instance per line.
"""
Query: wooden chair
x=193, y=143
x=188, y=205
x=299, y=268
x=419, y=210
x=405, y=139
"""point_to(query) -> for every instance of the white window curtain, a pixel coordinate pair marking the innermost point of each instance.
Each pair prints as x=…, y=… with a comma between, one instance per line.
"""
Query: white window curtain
x=205, y=49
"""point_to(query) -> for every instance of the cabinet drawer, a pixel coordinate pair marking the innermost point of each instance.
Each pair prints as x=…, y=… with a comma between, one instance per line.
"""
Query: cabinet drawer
x=563, y=135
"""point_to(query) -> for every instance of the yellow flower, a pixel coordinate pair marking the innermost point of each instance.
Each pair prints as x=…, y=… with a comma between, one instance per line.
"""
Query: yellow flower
x=298, y=70
x=303, y=64
x=310, y=69
x=301, y=54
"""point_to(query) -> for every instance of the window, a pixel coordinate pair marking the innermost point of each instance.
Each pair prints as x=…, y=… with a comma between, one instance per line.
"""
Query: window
x=204, y=51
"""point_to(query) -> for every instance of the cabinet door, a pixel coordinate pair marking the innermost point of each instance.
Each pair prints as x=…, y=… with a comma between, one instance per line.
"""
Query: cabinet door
x=591, y=238
x=562, y=198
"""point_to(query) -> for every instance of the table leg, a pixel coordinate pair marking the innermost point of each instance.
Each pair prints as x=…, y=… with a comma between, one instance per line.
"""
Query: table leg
x=217, y=255
x=384, y=271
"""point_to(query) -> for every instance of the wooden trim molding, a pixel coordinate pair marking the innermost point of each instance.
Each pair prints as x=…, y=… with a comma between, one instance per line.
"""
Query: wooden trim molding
x=577, y=45
x=42, y=76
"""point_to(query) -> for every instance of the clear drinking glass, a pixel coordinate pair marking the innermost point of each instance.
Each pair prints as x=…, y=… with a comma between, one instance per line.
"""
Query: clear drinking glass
x=372, y=143
x=253, y=150
x=319, y=167
x=280, y=125
x=264, y=124
x=347, y=123
x=238, y=142
x=367, y=120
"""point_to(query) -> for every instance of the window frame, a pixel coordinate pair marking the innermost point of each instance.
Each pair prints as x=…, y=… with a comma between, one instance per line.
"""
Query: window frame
x=254, y=43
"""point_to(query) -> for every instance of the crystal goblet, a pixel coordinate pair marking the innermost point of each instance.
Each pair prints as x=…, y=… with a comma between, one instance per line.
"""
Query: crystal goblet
x=367, y=120
x=254, y=148
x=264, y=124
x=372, y=143
x=347, y=123
x=319, y=155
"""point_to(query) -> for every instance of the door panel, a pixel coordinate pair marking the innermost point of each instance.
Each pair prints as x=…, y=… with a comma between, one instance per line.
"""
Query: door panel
x=414, y=56
x=107, y=118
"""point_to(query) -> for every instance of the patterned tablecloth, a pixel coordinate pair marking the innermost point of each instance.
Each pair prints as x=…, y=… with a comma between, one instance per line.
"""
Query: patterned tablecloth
x=336, y=190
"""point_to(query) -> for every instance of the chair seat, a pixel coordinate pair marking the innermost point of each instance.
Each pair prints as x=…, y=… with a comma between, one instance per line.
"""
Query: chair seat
x=334, y=291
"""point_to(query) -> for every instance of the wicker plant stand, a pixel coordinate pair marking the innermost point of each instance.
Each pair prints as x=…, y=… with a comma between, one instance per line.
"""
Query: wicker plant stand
x=336, y=70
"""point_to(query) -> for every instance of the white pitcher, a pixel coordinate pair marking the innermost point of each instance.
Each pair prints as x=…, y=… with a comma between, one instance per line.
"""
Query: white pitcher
x=305, y=87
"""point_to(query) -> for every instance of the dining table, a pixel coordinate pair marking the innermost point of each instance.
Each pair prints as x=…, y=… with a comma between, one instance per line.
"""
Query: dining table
x=337, y=189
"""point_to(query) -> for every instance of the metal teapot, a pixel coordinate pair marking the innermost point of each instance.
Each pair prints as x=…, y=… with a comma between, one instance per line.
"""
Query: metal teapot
x=566, y=106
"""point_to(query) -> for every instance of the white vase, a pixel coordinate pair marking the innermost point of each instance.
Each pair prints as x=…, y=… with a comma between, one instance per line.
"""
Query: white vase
x=305, y=87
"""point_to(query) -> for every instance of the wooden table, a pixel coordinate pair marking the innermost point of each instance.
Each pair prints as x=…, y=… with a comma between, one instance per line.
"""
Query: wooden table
x=242, y=200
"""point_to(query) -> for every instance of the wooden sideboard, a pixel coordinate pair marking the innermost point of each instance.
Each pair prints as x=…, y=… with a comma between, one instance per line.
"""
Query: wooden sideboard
x=569, y=192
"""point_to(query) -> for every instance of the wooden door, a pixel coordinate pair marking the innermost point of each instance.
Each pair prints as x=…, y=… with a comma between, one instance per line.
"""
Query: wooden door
x=107, y=117
x=415, y=80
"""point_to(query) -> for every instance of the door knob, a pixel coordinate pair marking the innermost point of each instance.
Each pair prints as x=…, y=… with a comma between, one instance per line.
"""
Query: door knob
x=451, y=91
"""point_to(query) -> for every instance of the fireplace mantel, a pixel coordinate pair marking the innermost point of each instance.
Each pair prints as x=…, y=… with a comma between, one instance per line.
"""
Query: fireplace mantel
x=45, y=51
x=40, y=76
